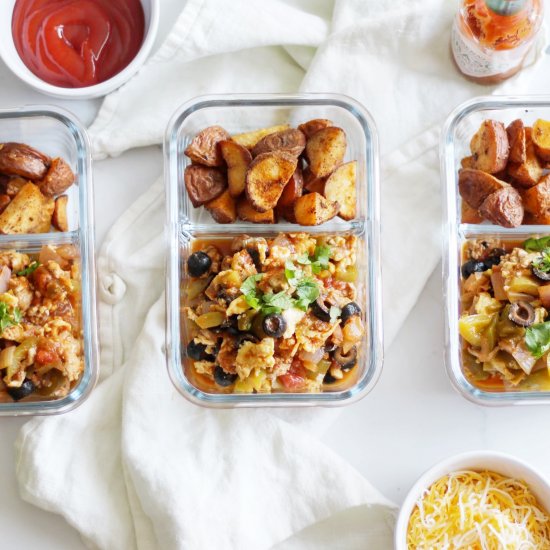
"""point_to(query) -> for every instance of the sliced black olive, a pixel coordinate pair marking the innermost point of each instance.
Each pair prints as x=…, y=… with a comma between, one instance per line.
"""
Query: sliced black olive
x=320, y=310
x=329, y=379
x=26, y=388
x=349, y=310
x=255, y=255
x=346, y=361
x=223, y=378
x=472, y=266
x=196, y=351
x=494, y=257
x=274, y=325
x=539, y=273
x=246, y=337
x=198, y=263
x=230, y=325
x=522, y=313
x=329, y=348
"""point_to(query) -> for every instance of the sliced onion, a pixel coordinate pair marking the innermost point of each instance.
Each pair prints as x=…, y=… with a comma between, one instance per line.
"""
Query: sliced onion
x=313, y=356
x=49, y=254
x=5, y=276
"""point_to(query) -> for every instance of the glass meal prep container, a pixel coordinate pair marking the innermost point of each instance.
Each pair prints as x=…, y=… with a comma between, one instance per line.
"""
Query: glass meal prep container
x=461, y=125
x=188, y=228
x=56, y=133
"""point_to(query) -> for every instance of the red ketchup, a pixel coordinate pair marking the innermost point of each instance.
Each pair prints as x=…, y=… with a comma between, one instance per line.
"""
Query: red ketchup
x=77, y=43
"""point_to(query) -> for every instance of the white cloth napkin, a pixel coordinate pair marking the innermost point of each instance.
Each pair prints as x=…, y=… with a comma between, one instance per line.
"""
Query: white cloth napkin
x=137, y=466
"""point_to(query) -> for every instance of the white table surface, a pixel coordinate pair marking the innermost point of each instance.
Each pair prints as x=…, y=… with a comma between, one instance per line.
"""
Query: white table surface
x=412, y=418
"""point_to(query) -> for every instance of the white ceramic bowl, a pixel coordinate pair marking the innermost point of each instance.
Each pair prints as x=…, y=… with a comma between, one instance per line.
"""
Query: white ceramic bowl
x=477, y=460
x=11, y=58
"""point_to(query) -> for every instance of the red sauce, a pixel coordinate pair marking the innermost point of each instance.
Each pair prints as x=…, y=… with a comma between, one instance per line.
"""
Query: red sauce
x=77, y=43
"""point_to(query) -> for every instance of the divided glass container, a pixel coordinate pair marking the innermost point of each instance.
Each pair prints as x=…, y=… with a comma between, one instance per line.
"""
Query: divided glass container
x=461, y=125
x=57, y=133
x=185, y=225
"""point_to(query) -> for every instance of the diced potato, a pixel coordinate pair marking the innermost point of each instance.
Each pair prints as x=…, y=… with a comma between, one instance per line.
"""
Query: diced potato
x=312, y=183
x=472, y=327
x=544, y=295
x=503, y=207
x=527, y=173
x=468, y=162
x=536, y=200
x=340, y=187
x=223, y=208
x=475, y=186
x=60, y=219
x=541, y=138
x=4, y=201
x=490, y=147
x=29, y=212
x=517, y=140
x=469, y=214
x=325, y=150
x=524, y=285
x=312, y=126
x=210, y=319
x=204, y=149
x=266, y=178
x=497, y=282
x=203, y=183
x=292, y=191
x=237, y=158
x=290, y=141
x=314, y=209
x=249, y=139
x=246, y=213
x=58, y=179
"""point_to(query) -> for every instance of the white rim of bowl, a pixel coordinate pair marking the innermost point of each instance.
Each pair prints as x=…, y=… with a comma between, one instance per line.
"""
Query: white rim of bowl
x=102, y=88
x=445, y=467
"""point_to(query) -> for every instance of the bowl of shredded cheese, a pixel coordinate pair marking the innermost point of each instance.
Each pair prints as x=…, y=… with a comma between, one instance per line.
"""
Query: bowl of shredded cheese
x=479, y=500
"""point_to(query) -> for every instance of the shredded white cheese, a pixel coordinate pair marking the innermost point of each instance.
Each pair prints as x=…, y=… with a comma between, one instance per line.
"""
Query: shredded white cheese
x=478, y=511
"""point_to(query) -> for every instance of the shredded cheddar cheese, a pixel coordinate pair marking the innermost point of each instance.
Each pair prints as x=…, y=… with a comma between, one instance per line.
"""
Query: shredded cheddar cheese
x=478, y=511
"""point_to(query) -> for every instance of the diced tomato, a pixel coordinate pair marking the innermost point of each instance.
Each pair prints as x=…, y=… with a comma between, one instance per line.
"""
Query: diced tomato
x=46, y=356
x=295, y=378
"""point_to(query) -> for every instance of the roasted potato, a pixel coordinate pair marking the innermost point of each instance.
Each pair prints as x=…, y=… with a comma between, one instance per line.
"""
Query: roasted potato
x=266, y=178
x=14, y=185
x=290, y=141
x=4, y=201
x=517, y=141
x=314, y=209
x=18, y=159
x=29, y=212
x=490, y=147
x=503, y=207
x=237, y=159
x=325, y=150
x=293, y=190
x=223, y=208
x=58, y=178
x=541, y=138
x=475, y=186
x=246, y=213
x=528, y=173
x=469, y=214
x=340, y=187
x=536, y=200
x=311, y=126
x=204, y=149
x=204, y=183
x=467, y=162
x=249, y=139
x=60, y=220
x=312, y=183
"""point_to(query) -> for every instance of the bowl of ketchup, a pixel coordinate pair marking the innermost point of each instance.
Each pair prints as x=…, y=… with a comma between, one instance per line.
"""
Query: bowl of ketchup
x=77, y=48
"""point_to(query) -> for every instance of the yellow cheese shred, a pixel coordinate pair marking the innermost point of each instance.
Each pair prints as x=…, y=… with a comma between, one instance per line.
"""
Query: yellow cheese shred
x=478, y=511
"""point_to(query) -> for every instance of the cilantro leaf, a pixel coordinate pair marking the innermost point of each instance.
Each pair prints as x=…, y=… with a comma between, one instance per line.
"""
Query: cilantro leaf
x=543, y=263
x=307, y=292
x=251, y=294
x=536, y=245
x=321, y=257
x=279, y=302
x=537, y=339
x=303, y=259
x=293, y=274
x=31, y=268
x=8, y=319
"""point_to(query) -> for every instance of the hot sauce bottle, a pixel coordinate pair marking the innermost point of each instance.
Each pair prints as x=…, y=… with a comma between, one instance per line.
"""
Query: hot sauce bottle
x=490, y=39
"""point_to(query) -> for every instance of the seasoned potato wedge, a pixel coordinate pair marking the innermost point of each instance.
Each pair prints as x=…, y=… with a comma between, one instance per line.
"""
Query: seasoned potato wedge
x=541, y=138
x=528, y=173
x=469, y=214
x=204, y=149
x=249, y=139
x=237, y=159
x=246, y=213
x=314, y=209
x=60, y=219
x=537, y=219
x=517, y=141
x=4, y=201
x=29, y=212
x=204, y=183
x=490, y=147
x=14, y=185
x=340, y=187
x=325, y=150
x=58, y=179
x=536, y=200
x=467, y=162
x=475, y=186
x=290, y=141
x=266, y=178
x=292, y=191
x=312, y=183
x=503, y=207
x=223, y=208
x=311, y=126
x=18, y=159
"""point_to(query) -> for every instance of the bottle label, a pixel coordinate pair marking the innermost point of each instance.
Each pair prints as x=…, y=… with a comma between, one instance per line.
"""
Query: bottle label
x=472, y=60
